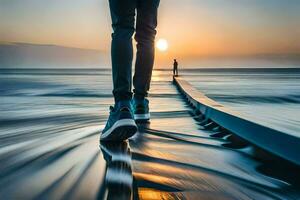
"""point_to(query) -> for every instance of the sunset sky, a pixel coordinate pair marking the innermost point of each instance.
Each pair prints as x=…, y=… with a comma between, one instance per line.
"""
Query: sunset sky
x=193, y=28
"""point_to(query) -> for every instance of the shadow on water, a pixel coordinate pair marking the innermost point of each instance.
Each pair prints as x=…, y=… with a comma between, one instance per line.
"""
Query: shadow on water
x=118, y=178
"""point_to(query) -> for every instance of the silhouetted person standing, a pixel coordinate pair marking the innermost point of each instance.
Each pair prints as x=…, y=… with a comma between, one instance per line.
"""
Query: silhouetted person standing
x=175, y=68
x=129, y=17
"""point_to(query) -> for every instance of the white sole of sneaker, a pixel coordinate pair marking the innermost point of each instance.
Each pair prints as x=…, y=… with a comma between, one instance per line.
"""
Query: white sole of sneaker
x=120, y=131
x=142, y=116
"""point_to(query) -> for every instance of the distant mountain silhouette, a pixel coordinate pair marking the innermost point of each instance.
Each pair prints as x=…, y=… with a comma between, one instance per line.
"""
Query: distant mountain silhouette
x=23, y=55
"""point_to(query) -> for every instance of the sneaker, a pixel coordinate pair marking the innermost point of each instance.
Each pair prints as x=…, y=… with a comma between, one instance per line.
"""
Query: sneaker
x=141, y=109
x=120, y=125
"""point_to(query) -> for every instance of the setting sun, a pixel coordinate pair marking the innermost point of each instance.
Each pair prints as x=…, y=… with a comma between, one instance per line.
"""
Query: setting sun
x=162, y=45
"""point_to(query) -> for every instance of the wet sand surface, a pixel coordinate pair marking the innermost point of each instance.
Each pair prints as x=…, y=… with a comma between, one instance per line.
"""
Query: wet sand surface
x=54, y=153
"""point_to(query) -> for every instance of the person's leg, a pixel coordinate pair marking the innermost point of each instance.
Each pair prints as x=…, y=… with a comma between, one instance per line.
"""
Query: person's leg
x=123, y=21
x=120, y=124
x=145, y=36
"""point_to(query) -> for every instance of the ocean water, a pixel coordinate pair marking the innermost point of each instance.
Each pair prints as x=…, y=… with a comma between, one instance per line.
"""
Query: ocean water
x=270, y=97
x=51, y=120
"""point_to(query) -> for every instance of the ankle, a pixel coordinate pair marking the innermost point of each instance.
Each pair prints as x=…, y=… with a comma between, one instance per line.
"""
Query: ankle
x=123, y=104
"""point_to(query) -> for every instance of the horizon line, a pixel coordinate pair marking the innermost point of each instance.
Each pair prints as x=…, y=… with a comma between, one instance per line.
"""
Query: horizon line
x=163, y=69
x=200, y=55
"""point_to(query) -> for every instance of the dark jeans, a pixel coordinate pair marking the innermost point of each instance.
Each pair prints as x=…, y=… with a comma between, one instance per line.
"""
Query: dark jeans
x=123, y=14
